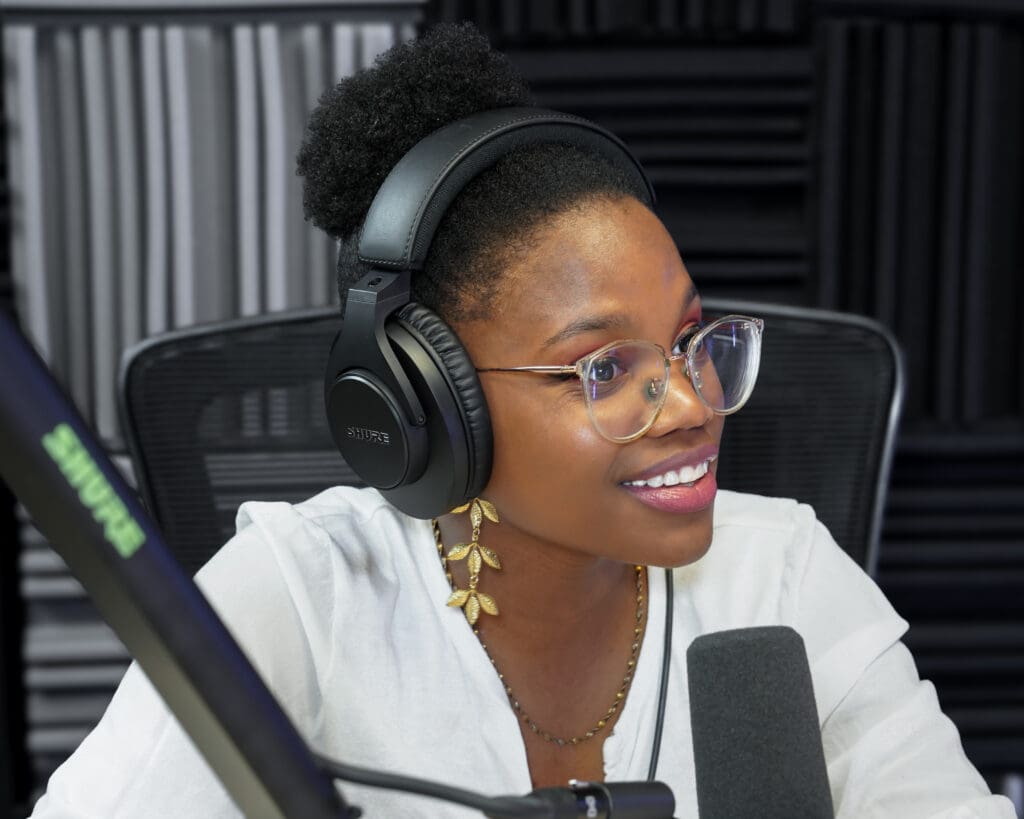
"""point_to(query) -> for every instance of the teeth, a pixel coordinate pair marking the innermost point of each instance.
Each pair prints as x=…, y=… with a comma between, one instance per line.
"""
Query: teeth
x=686, y=475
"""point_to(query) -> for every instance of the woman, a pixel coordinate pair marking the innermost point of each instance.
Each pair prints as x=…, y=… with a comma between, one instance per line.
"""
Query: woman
x=517, y=642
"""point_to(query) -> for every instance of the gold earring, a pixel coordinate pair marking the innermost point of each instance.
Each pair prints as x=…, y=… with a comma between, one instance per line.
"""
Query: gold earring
x=472, y=601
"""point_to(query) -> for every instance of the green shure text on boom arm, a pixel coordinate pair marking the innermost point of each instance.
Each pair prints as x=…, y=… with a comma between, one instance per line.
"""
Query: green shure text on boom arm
x=94, y=491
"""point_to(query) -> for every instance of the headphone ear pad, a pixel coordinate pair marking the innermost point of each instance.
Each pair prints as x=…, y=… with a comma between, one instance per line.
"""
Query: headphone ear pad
x=468, y=394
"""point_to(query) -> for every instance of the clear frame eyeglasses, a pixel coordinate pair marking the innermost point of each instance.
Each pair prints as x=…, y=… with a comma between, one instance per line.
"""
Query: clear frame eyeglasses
x=625, y=383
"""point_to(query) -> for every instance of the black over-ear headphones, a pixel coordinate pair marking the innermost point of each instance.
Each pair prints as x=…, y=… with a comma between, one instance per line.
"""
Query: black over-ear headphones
x=404, y=404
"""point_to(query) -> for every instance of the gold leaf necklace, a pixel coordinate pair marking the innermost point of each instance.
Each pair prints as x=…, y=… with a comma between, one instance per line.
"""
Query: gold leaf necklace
x=472, y=601
x=472, y=611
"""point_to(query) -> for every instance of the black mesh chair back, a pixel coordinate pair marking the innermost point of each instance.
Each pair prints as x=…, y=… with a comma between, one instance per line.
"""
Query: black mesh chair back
x=821, y=424
x=223, y=413
x=220, y=414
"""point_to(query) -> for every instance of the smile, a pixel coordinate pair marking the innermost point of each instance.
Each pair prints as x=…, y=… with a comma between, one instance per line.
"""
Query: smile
x=685, y=475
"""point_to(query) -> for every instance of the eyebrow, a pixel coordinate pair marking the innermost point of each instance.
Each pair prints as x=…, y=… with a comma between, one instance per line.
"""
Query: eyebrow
x=608, y=321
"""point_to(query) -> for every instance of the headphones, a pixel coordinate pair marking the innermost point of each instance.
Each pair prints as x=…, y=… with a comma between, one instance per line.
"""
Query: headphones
x=404, y=404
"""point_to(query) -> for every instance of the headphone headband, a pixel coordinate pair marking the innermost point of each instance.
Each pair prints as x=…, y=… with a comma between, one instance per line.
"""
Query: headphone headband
x=409, y=206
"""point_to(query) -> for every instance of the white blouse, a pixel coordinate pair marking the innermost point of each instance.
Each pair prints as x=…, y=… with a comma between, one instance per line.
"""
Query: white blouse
x=340, y=604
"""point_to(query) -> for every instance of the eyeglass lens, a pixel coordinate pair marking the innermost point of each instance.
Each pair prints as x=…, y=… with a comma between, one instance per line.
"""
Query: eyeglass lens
x=625, y=385
x=725, y=364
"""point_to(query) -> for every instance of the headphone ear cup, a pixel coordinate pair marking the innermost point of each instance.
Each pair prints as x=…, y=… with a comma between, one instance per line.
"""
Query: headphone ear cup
x=468, y=395
x=370, y=428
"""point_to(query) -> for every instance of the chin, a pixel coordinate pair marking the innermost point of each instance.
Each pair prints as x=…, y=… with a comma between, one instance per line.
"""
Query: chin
x=683, y=556
x=686, y=545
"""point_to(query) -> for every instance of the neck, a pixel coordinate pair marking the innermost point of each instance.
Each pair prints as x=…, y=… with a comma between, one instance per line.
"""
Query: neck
x=565, y=641
x=546, y=594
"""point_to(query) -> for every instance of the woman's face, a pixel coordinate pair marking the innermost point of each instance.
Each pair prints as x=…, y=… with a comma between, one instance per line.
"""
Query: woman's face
x=604, y=271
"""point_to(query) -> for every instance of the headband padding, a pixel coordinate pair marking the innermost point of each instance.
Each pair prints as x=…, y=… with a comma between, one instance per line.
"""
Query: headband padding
x=409, y=206
x=427, y=326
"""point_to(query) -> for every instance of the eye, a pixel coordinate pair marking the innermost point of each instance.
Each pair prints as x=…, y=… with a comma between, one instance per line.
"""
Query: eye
x=683, y=339
x=606, y=369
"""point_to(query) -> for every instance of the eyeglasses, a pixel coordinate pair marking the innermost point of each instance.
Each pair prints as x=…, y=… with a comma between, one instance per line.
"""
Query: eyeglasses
x=625, y=383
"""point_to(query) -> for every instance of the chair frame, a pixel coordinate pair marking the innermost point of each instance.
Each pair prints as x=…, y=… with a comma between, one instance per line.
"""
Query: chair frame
x=896, y=399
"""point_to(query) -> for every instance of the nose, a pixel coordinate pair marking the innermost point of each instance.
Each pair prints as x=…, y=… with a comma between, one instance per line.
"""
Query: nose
x=683, y=408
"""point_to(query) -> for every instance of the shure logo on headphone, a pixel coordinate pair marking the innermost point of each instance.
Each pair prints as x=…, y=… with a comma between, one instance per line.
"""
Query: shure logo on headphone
x=371, y=436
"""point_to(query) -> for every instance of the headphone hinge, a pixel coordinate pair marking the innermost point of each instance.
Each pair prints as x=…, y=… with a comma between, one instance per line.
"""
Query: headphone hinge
x=370, y=302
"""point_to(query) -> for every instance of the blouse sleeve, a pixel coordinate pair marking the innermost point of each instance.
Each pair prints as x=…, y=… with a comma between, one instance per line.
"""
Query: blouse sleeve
x=890, y=750
x=138, y=761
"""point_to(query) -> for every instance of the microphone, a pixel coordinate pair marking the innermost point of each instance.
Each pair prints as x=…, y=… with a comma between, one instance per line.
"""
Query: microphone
x=756, y=741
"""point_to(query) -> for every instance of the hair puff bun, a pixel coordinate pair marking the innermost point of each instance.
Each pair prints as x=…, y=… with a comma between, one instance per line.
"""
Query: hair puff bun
x=362, y=126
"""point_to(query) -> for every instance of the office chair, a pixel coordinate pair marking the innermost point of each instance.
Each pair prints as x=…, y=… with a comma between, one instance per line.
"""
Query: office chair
x=222, y=413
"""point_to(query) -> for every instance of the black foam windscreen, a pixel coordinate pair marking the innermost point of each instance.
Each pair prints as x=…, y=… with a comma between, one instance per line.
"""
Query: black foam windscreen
x=756, y=741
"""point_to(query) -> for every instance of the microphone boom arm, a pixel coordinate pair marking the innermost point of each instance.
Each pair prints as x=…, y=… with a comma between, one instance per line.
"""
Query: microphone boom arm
x=82, y=505
x=79, y=501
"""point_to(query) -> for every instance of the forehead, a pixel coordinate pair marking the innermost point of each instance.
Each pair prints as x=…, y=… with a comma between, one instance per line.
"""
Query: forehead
x=604, y=258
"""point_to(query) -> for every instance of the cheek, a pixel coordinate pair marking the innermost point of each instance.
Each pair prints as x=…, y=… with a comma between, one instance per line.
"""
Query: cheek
x=533, y=428
x=545, y=450
x=554, y=477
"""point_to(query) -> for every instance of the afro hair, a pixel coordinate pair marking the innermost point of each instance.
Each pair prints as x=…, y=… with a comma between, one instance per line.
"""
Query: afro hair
x=367, y=122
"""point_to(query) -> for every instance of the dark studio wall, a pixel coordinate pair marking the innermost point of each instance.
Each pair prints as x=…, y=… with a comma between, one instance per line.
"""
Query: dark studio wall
x=13, y=773
x=861, y=156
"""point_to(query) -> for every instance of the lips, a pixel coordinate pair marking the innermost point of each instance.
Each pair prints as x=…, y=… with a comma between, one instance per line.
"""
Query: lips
x=685, y=475
x=679, y=485
x=681, y=463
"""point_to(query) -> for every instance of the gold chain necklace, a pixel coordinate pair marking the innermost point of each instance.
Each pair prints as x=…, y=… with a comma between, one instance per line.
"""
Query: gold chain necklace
x=620, y=695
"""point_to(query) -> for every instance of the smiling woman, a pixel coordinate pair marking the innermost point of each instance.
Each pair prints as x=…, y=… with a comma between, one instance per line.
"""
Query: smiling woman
x=612, y=272
x=501, y=610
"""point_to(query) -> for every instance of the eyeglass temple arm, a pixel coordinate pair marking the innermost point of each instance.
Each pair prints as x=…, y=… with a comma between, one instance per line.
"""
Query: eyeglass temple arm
x=553, y=368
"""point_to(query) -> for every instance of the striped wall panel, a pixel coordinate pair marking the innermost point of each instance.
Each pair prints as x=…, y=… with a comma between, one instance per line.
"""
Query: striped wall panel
x=714, y=96
x=152, y=168
x=724, y=133
x=919, y=218
x=952, y=562
x=151, y=149
x=921, y=203
x=566, y=20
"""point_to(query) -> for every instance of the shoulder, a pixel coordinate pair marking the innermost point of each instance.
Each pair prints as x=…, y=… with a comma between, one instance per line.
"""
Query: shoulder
x=357, y=527
x=302, y=558
x=771, y=561
x=291, y=578
x=748, y=575
x=333, y=511
x=781, y=519
x=760, y=540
